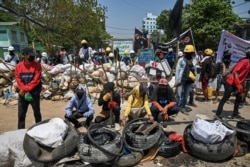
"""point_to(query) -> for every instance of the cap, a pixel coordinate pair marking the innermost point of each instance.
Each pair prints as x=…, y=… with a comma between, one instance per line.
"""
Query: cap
x=29, y=51
x=163, y=81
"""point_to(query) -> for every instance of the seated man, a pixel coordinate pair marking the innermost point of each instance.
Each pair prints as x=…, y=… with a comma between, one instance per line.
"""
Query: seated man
x=79, y=106
x=109, y=100
x=137, y=104
x=163, y=101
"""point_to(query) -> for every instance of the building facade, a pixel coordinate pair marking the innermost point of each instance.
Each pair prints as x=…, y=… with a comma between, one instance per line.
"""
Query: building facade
x=149, y=23
x=11, y=34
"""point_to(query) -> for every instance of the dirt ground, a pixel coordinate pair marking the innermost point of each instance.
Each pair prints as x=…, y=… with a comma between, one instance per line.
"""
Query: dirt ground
x=52, y=109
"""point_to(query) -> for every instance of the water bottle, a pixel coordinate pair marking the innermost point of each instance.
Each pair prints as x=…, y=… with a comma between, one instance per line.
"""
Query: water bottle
x=28, y=97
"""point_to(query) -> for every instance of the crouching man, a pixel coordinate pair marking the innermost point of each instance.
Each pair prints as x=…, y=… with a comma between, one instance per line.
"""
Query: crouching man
x=109, y=99
x=79, y=106
x=163, y=101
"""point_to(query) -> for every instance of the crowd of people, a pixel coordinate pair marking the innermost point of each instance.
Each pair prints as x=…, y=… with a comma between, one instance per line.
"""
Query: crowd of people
x=158, y=101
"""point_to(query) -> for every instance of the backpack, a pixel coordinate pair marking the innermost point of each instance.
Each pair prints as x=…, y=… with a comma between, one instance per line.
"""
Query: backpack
x=213, y=71
x=86, y=55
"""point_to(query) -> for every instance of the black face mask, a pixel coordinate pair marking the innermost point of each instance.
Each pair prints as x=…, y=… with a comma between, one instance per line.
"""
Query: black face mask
x=31, y=58
x=85, y=46
x=188, y=56
x=12, y=53
x=163, y=89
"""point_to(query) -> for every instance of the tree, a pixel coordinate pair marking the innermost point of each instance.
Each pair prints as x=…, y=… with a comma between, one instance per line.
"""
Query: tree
x=207, y=19
x=60, y=22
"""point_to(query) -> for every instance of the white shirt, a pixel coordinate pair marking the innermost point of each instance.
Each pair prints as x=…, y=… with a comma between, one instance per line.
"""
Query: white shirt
x=11, y=60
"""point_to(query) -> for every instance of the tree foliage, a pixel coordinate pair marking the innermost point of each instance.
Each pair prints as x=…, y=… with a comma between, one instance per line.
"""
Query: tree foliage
x=206, y=18
x=61, y=22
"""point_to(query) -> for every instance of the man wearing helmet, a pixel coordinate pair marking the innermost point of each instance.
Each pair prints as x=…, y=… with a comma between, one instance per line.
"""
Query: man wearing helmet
x=205, y=72
x=85, y=52
x=79, y=106
x=183, y=82
x=233, y=83
x=133, y=56
x=12, y=57
x=163, y=101
x=126, y=58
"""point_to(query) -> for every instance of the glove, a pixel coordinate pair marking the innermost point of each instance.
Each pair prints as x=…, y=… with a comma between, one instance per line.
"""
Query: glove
x=71, y=116
x=107, y=96
x=112, y=104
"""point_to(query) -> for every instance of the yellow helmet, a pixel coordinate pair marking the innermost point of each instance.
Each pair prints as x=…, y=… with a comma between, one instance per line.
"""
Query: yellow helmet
x=126, y=52
x=189, y=49
x=108, y=49
x=208, y=52
x=84, y=41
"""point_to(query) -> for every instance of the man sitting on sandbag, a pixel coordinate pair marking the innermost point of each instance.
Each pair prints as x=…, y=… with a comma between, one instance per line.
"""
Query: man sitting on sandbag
x=79, y=106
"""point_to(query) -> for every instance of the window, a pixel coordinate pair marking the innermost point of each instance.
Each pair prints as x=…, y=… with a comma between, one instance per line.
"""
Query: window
x=14, y=36
x=22, y=38
x=3, y=35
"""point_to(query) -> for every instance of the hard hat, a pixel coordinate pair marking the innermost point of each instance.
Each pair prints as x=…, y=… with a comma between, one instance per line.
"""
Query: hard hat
x=170, y=49
x=208, y=52
x=108, y=49
x=44, y=54
x=126, y=52
x=111, y=54
x=163, y=81
x=11, y=48
x=132, y=52
x=189, y=49
x=84, y=41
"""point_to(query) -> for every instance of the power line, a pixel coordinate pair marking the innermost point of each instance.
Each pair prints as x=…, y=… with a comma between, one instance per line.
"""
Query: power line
x=243, y=12
x=239, y=4
x=117, y=28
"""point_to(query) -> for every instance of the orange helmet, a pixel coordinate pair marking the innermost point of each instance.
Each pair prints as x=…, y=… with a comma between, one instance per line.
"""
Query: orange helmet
x=163, y=81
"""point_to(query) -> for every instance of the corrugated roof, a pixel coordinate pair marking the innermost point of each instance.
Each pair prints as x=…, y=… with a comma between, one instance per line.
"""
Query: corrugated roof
x=8, y=23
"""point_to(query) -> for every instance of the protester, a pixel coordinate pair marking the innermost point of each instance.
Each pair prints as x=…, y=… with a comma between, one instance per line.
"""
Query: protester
x=233, y=83
x=171, y=57
x=12, y=57
x=137, y=104
x=126, y=58
x=205, y=72
x=110, y=100
x=79, y=106
x=134, y=58
x=29, y=86
x=85, y=53
x=183, y=79
x=163, y=101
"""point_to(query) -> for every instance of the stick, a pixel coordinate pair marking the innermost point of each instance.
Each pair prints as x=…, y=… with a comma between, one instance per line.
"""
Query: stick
x=141, y=130
x=6, y=64
x=111, y=111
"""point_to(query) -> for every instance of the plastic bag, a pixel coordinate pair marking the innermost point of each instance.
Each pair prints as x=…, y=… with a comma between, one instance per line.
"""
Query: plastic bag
x=209, y=132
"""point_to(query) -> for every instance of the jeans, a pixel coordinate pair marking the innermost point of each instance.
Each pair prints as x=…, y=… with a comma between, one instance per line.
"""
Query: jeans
x=229, y=89
x=155, y=112
x=23, y=108
x=182, y=93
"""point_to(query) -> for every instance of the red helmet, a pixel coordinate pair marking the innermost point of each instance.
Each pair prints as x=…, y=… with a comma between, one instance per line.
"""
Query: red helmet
x=163, y=81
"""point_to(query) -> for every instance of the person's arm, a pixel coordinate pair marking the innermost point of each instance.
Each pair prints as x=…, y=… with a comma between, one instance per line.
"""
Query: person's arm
x=91, y=110
x=36, y=80
x=128, y=106
x=70, y=106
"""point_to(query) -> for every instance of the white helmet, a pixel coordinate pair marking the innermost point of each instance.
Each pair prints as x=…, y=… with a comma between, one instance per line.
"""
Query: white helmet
x=132, y=51
x=11, y=48
x=44, y=54
x=111, y=54
x=180, y=53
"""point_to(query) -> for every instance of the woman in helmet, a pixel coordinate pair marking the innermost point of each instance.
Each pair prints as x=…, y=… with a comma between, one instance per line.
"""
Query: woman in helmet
x=163, y=101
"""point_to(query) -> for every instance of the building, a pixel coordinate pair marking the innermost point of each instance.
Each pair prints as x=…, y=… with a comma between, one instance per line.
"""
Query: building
x=11, y=34
x=149, y=23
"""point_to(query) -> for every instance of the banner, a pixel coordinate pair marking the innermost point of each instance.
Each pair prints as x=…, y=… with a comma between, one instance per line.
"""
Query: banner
x=175, y=18
x=235, y=45
x=185, y=38
x=140, y=42
x=145, y=56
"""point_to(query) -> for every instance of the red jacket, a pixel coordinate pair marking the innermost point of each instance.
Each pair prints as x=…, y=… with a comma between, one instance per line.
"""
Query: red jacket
x=242, y=68
x=28, y=75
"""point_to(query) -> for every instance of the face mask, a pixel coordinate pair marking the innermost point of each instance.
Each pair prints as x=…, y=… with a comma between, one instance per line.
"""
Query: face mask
x=12, y=53
x=31, y=58
x=188, y=56
x=85, y=46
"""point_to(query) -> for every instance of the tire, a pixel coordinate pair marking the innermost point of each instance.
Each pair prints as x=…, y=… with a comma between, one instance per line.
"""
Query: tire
x=169, y=148
x=129, y=160
x=109, y=150
x=242, y=148
x=244, y=125
x=142, y=142
x=210, y=152
x=43, y=154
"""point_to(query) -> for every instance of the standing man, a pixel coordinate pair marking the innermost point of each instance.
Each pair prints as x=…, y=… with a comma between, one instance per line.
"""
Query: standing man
x=29, y=86
x=170, y=57
x=233, y=83
x=183, y=83
x=12, y=57
x=205, y=72
x=85, y=53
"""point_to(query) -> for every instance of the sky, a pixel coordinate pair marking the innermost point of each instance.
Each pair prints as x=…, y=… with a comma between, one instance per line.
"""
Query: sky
x=123, y=16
